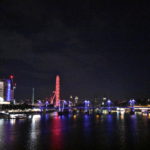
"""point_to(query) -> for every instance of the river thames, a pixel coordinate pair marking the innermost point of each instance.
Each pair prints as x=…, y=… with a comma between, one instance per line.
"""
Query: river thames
x=81, y=132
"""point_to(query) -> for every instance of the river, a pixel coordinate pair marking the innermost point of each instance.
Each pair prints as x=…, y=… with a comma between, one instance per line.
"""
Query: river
x=78, y=132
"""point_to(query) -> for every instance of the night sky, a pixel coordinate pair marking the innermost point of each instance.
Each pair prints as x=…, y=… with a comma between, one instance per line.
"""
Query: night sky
x=98, y=49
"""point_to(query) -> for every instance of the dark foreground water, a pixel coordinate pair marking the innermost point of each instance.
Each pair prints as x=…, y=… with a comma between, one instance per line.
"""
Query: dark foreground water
x=50, y=132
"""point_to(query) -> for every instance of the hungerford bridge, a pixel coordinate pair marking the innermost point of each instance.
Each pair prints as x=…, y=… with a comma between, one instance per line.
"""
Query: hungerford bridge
x=87, y=109
x=64, y=107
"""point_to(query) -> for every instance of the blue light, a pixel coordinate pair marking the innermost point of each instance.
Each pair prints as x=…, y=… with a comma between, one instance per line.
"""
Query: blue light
x=65, y=102
x=86, y=117
x=8, y=94
x=86, y=103
x=70, y=103
x=47, y=103
x=109, y=103
x=39, y=102
x=132, y=102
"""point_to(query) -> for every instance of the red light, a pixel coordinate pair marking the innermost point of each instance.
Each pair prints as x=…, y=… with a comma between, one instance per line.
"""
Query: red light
x=11, y=76
x=57, y=90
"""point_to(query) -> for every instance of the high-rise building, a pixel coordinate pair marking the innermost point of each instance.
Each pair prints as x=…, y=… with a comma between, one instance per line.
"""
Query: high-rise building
x=7, y=89
x=104, y=99
x=1, y=90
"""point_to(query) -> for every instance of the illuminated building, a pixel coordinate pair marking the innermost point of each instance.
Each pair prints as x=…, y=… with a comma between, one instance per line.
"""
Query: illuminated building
x=1, y=90
x=7, y=89
x=76, y=100
x=103, y=101
x=72, y=100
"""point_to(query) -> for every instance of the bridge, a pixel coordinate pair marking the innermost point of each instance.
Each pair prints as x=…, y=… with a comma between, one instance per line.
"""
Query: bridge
x=101, y=110
x=64, y=107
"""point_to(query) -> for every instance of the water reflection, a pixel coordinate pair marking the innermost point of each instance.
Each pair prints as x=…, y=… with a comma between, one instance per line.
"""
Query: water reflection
x=86, y=123
x=121, y=115
x=34, y=131
x=2, y=133
x=87, y=129
x=12, y=121
x=53, y=132
x=74, y=117
x=109, y=128
x=56, y=135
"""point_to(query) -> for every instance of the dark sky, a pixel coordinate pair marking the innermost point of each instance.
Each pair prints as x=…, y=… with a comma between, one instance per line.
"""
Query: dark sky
x=98, y=49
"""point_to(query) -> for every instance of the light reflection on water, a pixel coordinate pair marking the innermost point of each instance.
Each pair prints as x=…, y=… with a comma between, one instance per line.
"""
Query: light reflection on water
x=34, y=131
x=53, y=132
x=56, y=135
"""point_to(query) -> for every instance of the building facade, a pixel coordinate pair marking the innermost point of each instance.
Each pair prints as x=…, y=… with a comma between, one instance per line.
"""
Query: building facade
x=6, y=90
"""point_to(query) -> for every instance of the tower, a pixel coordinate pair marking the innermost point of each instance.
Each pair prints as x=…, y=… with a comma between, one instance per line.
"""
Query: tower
x=57, y=90
x=32, y=96
x=7, y=88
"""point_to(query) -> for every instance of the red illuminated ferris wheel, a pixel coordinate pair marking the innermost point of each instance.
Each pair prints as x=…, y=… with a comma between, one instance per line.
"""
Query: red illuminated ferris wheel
x=55, y=98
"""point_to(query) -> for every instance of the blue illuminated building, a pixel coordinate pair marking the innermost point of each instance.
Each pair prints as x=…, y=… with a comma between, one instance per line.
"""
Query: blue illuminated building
x=6, y=90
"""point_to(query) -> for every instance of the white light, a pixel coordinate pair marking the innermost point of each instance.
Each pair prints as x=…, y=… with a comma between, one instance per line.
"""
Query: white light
x=4, y=102
x=1, y=99
x=36, y=117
